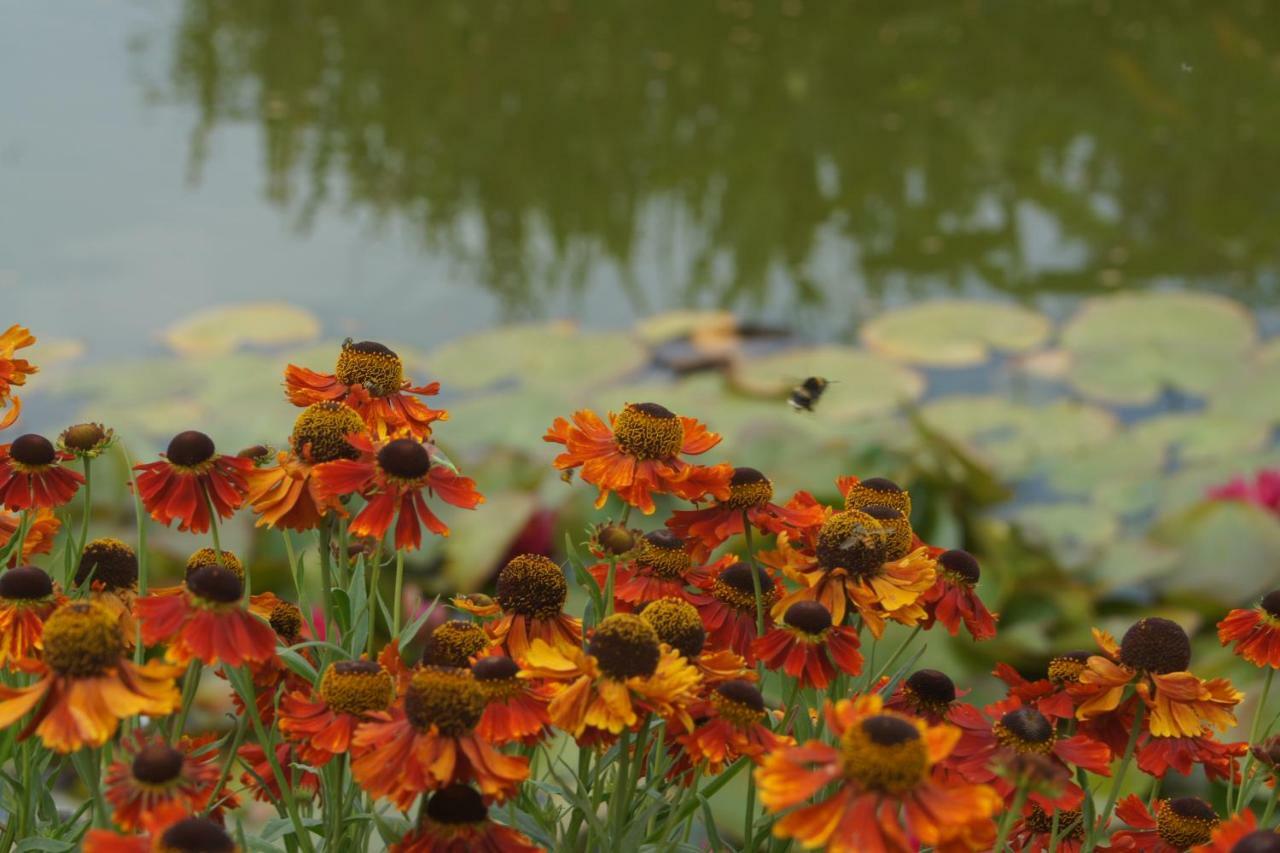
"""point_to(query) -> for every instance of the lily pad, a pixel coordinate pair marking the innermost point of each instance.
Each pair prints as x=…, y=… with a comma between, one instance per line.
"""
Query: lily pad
x=554, y=355
x=1227, y=550
x=955, y=332
x=478, y=540
x=862, y=384
x=1127, y=348
x=1198, y=436
x=1076, y=533
x=1251, y=392
x=226, y=328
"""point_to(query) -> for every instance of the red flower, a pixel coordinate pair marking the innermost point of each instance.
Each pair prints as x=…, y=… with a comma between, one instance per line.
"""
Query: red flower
x=370, y=379
x=515, y=708
x=952, y=599
x=1255, y=632
x=1157, y=755
x=393, y=475
x=32, y=476
x=1049, y=694
x=203, y=618
x=1241, y=833
x=27, y=596
x=928, y=694
x=260, y=779
x=661, y=568
x=728, y=607
x=735, y=726
x=456, y=820
x=191, y=477
x=168, y=828
x=808, y=647
x=322, y=726
x=1176, y=824
x=155, y=775
x=750, y=494
x=42, y=529
x=638, y=454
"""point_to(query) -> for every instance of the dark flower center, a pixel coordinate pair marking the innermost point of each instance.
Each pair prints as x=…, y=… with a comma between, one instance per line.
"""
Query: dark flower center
x=532, y=585
x=215, y=583
x=812, y=617
x=110, y=561
x=677, y=624
x=196, y=835
x=1025, y=730
x=404, y=458
x=734, y=587
x=454, y=642
x=884, y=730
x=157, y=763
x=83, y=436
x=203, y=557
x=879, y=491
x=747, y=488
x=1184, y=822
x=32, y=449
x=25, y=582
x=1271, y=604
x=190, y=448
x=286, y=621
x=932, y=687
x=743, y=692
x=447, y=698
x=356, y=687
x=320, y=432
x=960, y=564
x=626, y=646
x=1156, y=645
x=1259, y=841
x=495, y=668
x=648, y=431
x=615, y=539
x=456, y=804
x=663, y=552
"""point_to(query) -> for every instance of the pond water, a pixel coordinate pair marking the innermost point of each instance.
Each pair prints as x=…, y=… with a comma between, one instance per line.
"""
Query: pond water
x=421, y=170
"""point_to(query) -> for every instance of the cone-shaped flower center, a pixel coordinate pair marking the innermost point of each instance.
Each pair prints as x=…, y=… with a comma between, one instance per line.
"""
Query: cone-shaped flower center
x=356, y=687
x=812, y=617
x=1156, y=645
x=677, y=624
x=157, y=764
x=215, y=584
x=748, y=488
x=286, y=620
x=83, y=436
x=625, y=646
x=885, y=753
x=206, y=557
x=25, y=583
x=648, y=431
x=456, y=804
x=450, y=699
x=454, y=642
x=878, y=491
x=196, y=835
x=1271, y=604
x=82, y=639
x=739, y=701
x=190, y=448
x=959, y=567
x=734, y=587
x=110, y=561
x=33, y=450
x=372, y=365
x=664, y=554
x=1185, y=822
x=320, y=432
x=930, y=689
x=1041, y=822
x=852, y=540
x=1258, y=841
x=1025, y=730
x=532, y=585
x=495, y=668
x=405, y=459
x=1066, y=667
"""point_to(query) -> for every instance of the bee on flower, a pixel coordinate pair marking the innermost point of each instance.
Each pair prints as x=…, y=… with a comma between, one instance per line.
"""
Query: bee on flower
x=190, y=480
x=809, y=647
x=32, y=475
x=152, y=774
x=750, y=497
x=27, y=596
x=13, y=371
x=639, y=453
x=321, y=725
x=369, y=378
x=456, y=819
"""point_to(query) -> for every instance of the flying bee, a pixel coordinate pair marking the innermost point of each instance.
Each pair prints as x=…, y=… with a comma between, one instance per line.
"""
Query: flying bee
x=807, y=394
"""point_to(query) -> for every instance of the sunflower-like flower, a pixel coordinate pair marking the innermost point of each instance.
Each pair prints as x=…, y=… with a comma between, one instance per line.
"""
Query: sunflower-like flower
x=885, y=795
x=735, y=726
x=661, y=566
x=625, y=671
x=455, y=643
x=456, y=820
x=321, y=725
x=204, y=618
x=169, y=829
x=1009, y=732
x=531, y=593
x=728, y=606
x=874, y=491
x=32, y=475
x=639, y=454
x=953, y=600
x=858, y=561
x=928, y=694
x=750, y=494
x=87, y=440
x=285, y=495
x=428, y=741
x=807, y=646
x=86, y=683
x=393, y=476
x=42, y=529
x=152, y=775
x=515, y=708
x=13, y=371
x=191, y=477
x=1174, y=825
x=27, y=596
x=1049, y=694
x=1255, y=631
x=678, y=624
x=1035, y=832
x=1153, y=656
x=369, y=377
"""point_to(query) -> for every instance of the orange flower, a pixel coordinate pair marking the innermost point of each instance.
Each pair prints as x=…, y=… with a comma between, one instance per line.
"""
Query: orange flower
x=678, y=624
x=1157, y=755
x=1240, y=834
x=392, y=476
x=168, y=830
x=1009, y=731
x=515, y=708
x=86, y=683
x=153, y=775
x=42, y=529
x=27, y=597
x=808, y=647
x=1153, y=656
x=322, y=726
x=639, y=454
x=886, y=797
x=110, y=567
x=858, y=561
x=952, y=599
x=750, y=494
x=1255, y=632
x=729, y=607
x=662, y=566
x=624, y=672
x=204, y=618
x=13, y=371
x=191, y=477
x=1176, y=825
x=32, y=476
x=456, y=820
x=260, y=779
x=928, y=694
x=1049, y=694
x=285, y=619
x=735, y=726
x=370, y=379
x=427, y=741
x=531, y=592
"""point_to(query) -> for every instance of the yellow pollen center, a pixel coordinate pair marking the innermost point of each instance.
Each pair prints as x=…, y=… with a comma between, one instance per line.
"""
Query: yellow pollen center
x=1008, y=738
x=532, y=585
x=356, y=691
x=741, y=715
x=454, y=643
x=209, y=557
x=82, y=640
x=747, y=495
x=744, y=599
x=1181, y=831
x=320, y=432
x=890, y=765
x=379, y=370
x=449, y=699
x=645, y=435
x=1065, y=670
x=665, y=563
x=1069, y=823
x=852, y=540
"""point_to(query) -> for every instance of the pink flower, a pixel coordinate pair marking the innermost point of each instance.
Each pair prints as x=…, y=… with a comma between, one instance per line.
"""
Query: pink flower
x=1263, y=492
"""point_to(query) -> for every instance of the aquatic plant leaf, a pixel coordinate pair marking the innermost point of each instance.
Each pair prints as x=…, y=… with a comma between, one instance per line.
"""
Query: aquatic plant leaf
x=862, y=383
x=954, y=332
x=226, y=328
x=1226, y=550
x=1076, y=533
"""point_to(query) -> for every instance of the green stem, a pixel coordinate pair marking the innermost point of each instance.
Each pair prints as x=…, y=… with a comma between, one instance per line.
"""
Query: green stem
x=618, y=804
x=607, y=594
x=374, y=572
x=1006, y=823
x=242, y=726
x=190, y=683
x=144, y=574
x=1271, y=808
x=892, y=658
x=693, y=803
x=88, y=504
x=326, y=572
x=1245, y=781
x=755, y=574
x=584, y=773
x=1120, y=774
x=748, y=829
x=395, y=607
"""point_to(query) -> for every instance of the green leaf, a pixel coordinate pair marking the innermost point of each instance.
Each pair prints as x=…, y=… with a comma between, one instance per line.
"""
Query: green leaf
x=954, y=332
x=223, y=329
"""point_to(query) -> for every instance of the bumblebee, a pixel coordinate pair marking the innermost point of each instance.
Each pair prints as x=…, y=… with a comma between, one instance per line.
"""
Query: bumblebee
x=807, y=394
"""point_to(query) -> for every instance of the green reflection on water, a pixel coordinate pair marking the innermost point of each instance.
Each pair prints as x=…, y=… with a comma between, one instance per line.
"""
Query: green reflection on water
x=1028, y=148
